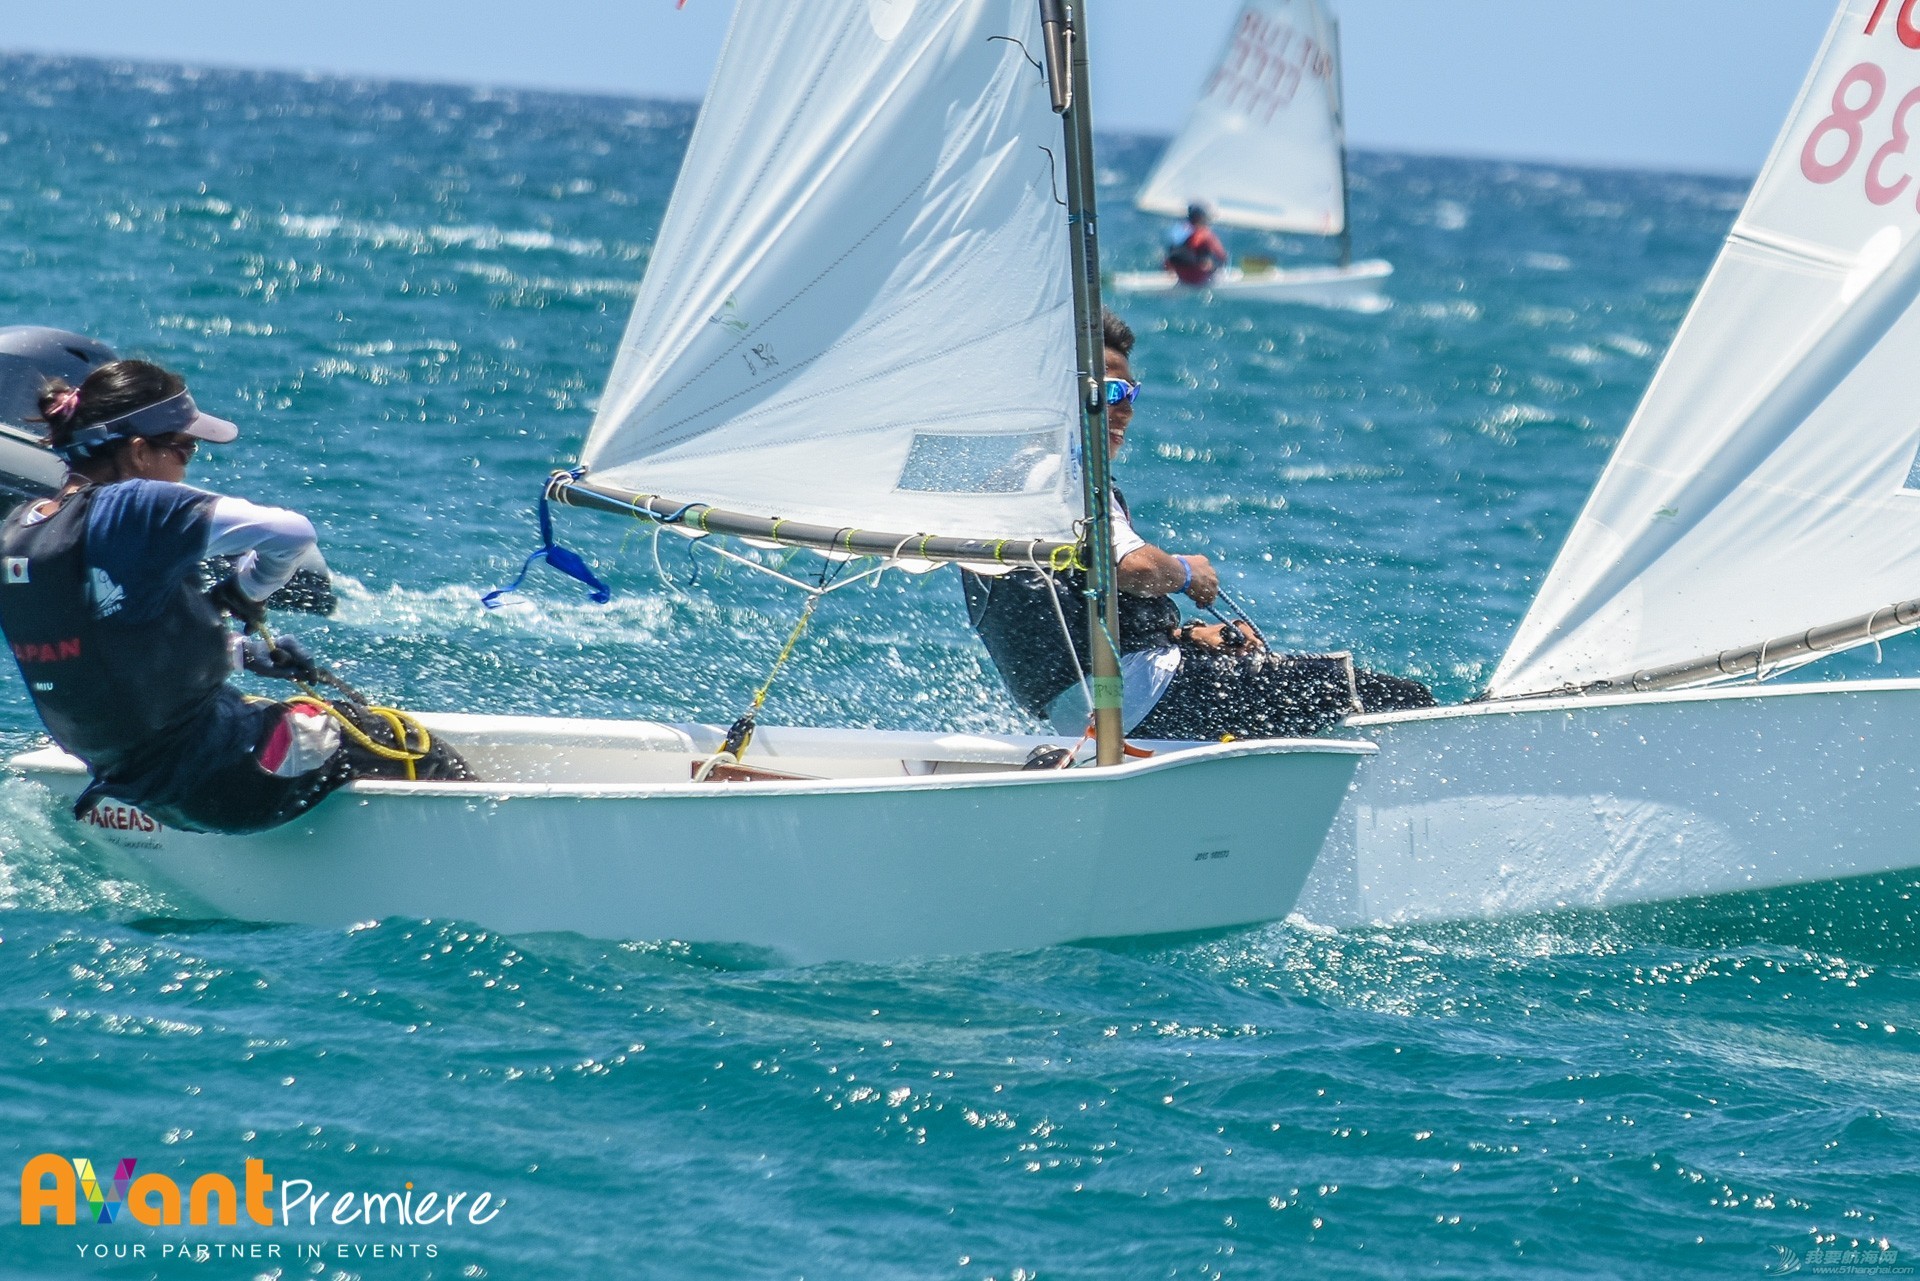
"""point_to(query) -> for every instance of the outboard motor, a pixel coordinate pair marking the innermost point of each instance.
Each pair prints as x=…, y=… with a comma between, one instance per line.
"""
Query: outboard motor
x=29, y=356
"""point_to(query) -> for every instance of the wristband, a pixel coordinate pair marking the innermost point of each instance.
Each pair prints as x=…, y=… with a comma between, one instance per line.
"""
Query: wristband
x=1188, y=566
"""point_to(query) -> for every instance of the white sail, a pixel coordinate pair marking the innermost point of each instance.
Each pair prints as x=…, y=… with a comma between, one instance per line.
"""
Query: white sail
x=858, y=312
x=1769, y=482
x=1263, y=145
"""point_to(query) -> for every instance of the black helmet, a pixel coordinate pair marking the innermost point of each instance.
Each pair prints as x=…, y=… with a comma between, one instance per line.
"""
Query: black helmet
x=30, y=355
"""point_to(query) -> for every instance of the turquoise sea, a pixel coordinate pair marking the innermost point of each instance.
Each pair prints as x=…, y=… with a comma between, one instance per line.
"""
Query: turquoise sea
x=408, y=296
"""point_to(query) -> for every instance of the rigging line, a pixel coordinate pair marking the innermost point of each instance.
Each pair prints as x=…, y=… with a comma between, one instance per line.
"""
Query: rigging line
x=1022, y=47
x=1879, y=655
x=1066, y=633
x=740, y=735
x=659, y=567
x=1235, y=605
x=1053, y=174
x=674, y=518
x=775, y=574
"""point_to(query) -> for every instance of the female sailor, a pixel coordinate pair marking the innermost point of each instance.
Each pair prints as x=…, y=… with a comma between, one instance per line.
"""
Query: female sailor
x=126, y=659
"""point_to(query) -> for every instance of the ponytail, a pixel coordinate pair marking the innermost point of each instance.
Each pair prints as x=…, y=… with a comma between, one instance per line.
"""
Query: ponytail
x=111, y=391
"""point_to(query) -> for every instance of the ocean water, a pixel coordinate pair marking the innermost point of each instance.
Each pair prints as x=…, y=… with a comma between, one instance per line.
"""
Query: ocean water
x=409, y=295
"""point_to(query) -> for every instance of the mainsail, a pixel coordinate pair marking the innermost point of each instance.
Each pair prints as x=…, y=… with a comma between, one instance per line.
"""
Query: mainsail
x=858, y=312
x=1264, y=144
x=1770, y=482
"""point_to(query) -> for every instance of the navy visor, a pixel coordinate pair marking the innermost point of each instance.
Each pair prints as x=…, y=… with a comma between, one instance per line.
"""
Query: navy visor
x=176, y=415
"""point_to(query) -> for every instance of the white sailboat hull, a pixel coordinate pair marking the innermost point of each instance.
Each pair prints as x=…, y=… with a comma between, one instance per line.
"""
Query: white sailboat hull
x=1356, y=287
x=1501, y=809
x=900, y=845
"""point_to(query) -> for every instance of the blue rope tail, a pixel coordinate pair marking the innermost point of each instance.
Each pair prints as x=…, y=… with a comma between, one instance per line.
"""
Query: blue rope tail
x=566, y=561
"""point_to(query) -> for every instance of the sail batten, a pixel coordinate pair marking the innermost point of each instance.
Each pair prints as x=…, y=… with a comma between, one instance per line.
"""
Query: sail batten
x=1263, y=145
x=1770, y=480
x=858, y=311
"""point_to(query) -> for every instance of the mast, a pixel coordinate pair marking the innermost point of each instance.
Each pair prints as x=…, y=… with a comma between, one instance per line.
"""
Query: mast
x=1338, y=81
x=1063, y=23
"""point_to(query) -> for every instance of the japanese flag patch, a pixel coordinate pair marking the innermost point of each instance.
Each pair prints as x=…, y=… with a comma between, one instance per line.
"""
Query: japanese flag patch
x=16, y=569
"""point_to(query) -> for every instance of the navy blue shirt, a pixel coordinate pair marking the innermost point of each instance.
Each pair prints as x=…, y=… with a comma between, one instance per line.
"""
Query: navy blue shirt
x=143, y=538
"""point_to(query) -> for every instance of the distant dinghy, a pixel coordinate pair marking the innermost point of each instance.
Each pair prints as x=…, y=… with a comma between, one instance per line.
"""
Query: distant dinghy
x=1265, y=149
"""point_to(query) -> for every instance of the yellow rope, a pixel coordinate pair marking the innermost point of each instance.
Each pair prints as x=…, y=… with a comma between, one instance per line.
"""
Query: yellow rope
x=400, y=721
x=760, y=695
x=799, y=629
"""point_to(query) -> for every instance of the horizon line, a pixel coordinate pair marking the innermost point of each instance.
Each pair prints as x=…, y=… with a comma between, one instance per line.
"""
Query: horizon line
x=636, y=95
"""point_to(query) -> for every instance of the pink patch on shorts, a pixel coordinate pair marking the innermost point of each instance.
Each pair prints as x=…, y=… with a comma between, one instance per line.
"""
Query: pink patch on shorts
x=273, y=752
x=300, y=741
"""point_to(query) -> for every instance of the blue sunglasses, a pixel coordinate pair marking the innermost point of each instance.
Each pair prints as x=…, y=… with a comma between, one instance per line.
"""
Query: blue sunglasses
x=1122, y=392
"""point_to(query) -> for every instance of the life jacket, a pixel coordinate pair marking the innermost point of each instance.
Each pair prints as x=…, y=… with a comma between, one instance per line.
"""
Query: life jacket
x=1015, y=615
x=109, y=691
x=1197, y=258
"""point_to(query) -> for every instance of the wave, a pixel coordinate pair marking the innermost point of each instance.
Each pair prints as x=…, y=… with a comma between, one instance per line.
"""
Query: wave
x=387, y=235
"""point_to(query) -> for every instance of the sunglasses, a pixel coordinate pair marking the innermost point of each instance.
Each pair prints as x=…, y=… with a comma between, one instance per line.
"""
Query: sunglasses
x=180, y=447
x=1122, y=392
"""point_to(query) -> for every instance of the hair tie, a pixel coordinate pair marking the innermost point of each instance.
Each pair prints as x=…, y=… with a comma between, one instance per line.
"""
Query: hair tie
x=66, y=405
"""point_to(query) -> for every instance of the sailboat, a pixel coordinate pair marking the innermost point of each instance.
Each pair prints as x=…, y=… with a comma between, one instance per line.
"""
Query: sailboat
x=1265, y=148
x=1761, y=512
x=870, y=327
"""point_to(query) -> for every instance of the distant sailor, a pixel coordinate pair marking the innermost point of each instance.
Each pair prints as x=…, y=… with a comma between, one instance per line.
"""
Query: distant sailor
x=1183, y=682
x=126, y=658
x=1197, y=255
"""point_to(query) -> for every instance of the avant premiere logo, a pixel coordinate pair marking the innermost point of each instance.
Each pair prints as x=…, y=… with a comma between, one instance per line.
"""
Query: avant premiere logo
x=61, y=1186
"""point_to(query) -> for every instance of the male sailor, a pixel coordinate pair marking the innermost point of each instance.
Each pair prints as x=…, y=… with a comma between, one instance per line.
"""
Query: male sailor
x=126, y=659
x=1181, y=682
x=1197, y=254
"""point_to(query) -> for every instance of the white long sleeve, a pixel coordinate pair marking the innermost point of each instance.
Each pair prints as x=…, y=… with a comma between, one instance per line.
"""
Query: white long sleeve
x=271, y=543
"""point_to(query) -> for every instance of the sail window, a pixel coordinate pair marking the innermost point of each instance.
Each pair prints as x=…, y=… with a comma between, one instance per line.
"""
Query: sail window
x=1913, y=475
x=1028, y=463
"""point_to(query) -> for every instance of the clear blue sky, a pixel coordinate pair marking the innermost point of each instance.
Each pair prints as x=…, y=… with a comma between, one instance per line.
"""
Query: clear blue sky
x=1691, y=84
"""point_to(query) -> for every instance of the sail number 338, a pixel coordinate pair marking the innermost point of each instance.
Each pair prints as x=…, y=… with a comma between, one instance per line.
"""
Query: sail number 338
x=1856, y=100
